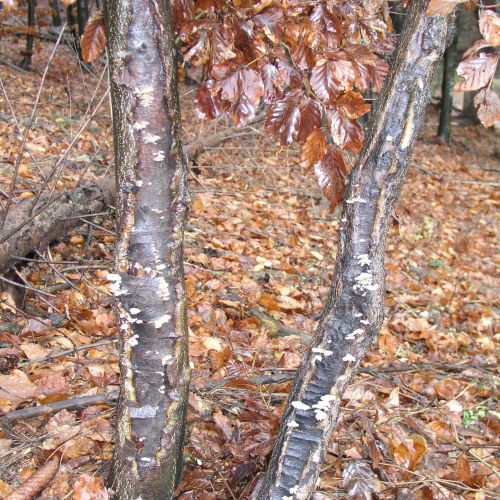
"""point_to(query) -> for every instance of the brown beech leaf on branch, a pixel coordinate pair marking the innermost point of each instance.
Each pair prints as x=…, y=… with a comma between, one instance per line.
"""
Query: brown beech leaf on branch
x=94, y=38
x=243, y=89
x=487, y=103
x=476, y=72
x=331, y=172
x=294, y=117
x=208, y=102
x=489, y=25
x=347, y=134
x=314, y=148
x=330, y=77
x=352, y=105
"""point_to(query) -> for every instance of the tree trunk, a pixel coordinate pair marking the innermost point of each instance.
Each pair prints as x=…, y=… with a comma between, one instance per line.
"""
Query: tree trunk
x=82, y=14
x=56, y=14
x=450, y=63
x=353, y=313
x=26, y=62
x=73, y=26
x=148, y=281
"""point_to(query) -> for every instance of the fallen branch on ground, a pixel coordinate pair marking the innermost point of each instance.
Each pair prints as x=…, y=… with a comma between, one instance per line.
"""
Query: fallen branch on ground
x=68, y=404
x=24, y=232
x=271, y=378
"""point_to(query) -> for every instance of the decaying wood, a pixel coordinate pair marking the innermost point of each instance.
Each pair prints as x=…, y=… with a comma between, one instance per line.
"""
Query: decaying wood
x=353, y=313
x=24, y=232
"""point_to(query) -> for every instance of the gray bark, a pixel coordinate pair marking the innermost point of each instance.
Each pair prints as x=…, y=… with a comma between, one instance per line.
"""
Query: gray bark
x=353, y=313
x=149, y=281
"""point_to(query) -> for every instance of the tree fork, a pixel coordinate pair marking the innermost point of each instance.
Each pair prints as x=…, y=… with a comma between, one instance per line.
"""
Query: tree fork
x=148, y=277
x=353, y=313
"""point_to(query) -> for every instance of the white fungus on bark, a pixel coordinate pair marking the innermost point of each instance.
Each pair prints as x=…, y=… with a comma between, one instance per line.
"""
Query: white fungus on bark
x=159, y=322
x=364, y=281
x=348, y=357
x=363, y=259
x=140, y=125
x=151, y=138
x=299, y=405
x=320, y=350
x=159, y=156
x=356, y=199
x=145, y=95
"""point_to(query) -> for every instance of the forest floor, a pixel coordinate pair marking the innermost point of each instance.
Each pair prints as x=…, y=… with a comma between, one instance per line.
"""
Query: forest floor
x=420, y=420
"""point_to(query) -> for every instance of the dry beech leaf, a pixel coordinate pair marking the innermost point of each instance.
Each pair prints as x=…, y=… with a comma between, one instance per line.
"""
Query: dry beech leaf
x=16, y=386
x=476, y=72
x=487, y=103
x=94, y=38
x=489, y=25
x=447, y=388
x=330, y=77
x=359, y=480
x=243, y=89
x=441, y=7
x=89, y=487
x=314, y=148
x=330, y=174
x=347, y=134
x=352, y=105
x=294, y=117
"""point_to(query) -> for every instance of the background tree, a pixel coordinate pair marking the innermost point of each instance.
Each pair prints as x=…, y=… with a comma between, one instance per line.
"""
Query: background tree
x=25, y=63
x=56, y=14
x=450, y=62
x=149, y=278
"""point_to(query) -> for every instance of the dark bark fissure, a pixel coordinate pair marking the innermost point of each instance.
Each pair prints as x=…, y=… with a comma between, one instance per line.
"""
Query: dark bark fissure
x=26, y=62
x=353, y=313
x=450, y=63
x=149, y=280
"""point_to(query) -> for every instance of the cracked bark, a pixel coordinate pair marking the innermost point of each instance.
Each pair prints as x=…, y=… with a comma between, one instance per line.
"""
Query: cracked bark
x=148, y=277
x=353, y=313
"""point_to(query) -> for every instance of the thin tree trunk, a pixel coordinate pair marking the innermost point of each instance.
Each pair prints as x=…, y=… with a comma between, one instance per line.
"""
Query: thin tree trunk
x=82, y=14
x=73, y=26
x=26, y=62
x=149, y=281
x=450, y=62
x=353, y=313
x=56, y=14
